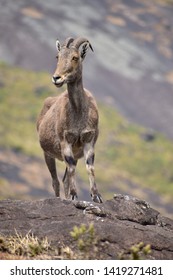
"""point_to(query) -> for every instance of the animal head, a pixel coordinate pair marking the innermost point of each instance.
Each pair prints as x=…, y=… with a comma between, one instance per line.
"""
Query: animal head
x=69, y=60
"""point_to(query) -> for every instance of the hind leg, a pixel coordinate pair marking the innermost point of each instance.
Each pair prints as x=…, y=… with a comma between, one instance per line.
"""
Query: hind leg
x=52, y=169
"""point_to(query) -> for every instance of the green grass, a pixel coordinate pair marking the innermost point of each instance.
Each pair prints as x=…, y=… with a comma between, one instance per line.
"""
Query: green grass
x=122, y=153
x=21, y=97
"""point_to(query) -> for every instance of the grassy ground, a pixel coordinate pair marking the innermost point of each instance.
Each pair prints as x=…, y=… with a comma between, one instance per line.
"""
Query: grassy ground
x=124, y=152
x=86, y=245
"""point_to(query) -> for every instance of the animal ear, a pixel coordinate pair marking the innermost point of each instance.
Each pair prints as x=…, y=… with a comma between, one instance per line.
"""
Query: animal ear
x=84, y=49
x=58, y=45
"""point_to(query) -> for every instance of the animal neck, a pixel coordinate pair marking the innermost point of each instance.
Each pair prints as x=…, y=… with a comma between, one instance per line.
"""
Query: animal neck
x=76, y=95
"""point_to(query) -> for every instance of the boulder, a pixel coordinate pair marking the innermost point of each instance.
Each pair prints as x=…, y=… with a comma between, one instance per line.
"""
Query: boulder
x=119, y=224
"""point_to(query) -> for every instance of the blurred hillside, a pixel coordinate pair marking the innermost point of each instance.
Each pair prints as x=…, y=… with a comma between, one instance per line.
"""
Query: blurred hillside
x=129, y=159
x=132, y=64
x=130, y=73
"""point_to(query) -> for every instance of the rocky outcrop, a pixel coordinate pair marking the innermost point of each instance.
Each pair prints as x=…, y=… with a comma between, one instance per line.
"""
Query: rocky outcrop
x=119, y=223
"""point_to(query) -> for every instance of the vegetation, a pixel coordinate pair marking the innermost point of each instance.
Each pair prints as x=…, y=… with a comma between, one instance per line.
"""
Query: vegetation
x=27, y=246
x=85, y=245
x=86, y=241
x=128, y=152
x=137, y=252
x=125, y=153
x=21, y=96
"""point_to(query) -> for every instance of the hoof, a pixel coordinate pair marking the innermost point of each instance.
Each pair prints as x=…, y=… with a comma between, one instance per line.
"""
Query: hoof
x=97, y=198
x=74, y=196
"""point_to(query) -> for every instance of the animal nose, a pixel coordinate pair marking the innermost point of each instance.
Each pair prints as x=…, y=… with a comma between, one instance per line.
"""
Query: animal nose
x=55, y=78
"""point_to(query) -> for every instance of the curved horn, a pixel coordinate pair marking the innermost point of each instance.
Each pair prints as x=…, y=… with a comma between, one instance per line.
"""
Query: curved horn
x=68, y=41
x=79, y=41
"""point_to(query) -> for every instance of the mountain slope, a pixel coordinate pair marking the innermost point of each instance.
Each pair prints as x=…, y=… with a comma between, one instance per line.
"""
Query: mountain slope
x=129, y=159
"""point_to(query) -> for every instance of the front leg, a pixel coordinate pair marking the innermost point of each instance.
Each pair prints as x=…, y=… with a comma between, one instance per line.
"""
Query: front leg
x=89, y=160
x=69, y=176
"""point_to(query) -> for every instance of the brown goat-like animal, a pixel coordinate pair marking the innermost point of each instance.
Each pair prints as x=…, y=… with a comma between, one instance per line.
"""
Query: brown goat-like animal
x=68, y=124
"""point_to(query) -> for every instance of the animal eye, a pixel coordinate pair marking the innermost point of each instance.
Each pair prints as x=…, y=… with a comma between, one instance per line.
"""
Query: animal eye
x=57, y=57
x=75, y=58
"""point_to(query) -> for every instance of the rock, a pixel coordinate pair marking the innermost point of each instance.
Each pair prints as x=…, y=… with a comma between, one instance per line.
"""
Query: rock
x=148, y=136
x=119, y=223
